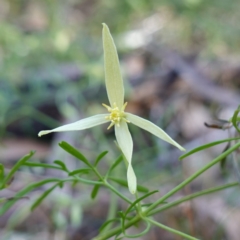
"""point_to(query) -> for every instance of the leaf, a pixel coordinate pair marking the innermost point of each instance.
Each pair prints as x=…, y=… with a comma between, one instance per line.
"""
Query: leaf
x=95, y=191
x=235, y=119
x=124, y=183
x=43, y=165
x=62, y=165
x=205, y=146
x=43, y=196
x=100, y=156
x=223, y=161
x=2, y=200
x=119, y=159
x=80, y=171
x=1, y=172
x=73, y=151
x=21, y=162
x=24, y=191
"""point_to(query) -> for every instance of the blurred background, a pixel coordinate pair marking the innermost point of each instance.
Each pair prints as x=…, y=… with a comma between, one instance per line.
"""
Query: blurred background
x=180, y=61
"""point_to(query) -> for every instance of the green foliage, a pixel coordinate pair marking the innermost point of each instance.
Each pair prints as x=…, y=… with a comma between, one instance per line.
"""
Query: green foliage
x=205, y=146
x=95, y=191
x=43, y=196
x=8, y=178
x=99, y=158
x=137, y=210
x=235, y=119
x=73, y=151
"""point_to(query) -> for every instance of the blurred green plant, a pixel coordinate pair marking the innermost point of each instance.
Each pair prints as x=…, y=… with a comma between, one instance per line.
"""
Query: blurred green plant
x=137, y=211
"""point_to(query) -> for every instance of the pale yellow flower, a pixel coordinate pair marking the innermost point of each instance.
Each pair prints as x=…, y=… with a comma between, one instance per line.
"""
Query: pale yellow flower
x=117, y=115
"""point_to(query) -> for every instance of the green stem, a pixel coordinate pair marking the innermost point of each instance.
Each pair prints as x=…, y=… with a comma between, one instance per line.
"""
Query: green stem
x=139, y=207
x=191, y=178
x=171, y=229
x=117, y=230
x=104, y=181
x=192, y=196
x=117, y=192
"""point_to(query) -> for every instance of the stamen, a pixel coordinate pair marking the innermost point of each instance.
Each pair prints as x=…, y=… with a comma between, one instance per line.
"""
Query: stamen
x=116, y=115
x=124, y=106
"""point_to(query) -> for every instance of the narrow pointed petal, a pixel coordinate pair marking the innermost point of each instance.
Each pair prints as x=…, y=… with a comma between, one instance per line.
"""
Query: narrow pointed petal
x=152, y=128
x=79, y=125
x=125, y=142
x=113, y=77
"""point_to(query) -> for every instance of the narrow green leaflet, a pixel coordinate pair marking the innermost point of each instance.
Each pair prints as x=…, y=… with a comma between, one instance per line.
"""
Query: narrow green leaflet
x=95, y=191
x=15, y=168
x=100, y=157
x=62, y=165
x=2, y=200
x=43, y=196
x=43, y=165
x=118, y=160
x=73, y=151
x=1, y=173
x=223, y=161
x=33, y=186
x=80, y=171
x=124, y=183
x=25, y=191
x=235, y=119
x=205, y=146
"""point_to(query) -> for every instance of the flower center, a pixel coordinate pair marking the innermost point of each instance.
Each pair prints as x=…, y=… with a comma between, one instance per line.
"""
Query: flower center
x=116, y=114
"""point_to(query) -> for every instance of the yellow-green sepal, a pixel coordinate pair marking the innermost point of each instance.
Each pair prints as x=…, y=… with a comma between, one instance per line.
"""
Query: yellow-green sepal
x=152, y=128
x=113, y=77
x=125, y=143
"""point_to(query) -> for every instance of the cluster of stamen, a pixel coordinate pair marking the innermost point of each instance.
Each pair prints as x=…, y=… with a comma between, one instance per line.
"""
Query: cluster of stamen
x=116, y=114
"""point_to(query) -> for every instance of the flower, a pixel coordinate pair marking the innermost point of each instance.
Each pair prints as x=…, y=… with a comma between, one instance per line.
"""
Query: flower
x=117, y=115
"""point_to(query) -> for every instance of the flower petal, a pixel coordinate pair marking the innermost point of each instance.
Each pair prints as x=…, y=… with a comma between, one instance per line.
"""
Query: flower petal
x=125, y=142
x=113, y=77
x=152, y=128
x=79, y=125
